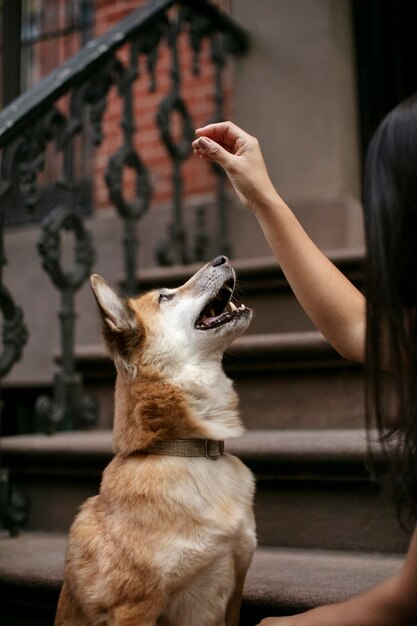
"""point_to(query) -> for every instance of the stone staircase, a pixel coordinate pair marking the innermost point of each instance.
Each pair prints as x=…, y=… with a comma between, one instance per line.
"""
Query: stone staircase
x=326, y=529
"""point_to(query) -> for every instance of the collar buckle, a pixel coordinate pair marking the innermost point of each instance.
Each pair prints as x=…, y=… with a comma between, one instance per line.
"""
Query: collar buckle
x=209, y=452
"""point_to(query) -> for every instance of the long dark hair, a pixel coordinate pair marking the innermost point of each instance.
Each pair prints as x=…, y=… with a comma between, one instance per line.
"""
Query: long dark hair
x=390, y=213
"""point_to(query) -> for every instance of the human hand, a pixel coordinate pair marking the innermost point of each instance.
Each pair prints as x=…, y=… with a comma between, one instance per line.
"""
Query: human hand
x=314, y=617
x=240, y=156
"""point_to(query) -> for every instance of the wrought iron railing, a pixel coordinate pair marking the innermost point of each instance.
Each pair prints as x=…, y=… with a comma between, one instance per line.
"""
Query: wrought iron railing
x=34, y=121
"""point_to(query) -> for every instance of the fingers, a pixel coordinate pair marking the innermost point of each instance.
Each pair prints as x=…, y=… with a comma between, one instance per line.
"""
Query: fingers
x=220, y=142
x=224, y=133
x=212, y=150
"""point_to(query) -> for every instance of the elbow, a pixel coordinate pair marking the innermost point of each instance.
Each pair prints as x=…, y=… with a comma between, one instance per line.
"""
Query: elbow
x=352, y=353
x=351, y=344
x=351, y=350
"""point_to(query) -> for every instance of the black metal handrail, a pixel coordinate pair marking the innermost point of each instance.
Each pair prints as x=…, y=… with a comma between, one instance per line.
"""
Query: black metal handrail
x=96, y=53
x=33, y=121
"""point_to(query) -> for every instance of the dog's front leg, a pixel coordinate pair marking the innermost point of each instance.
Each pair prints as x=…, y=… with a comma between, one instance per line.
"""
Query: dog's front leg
x=233, y=608
x=242, y=559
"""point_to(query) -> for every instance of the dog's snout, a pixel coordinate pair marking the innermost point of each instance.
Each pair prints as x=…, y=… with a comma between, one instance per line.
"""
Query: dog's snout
x=219, y=260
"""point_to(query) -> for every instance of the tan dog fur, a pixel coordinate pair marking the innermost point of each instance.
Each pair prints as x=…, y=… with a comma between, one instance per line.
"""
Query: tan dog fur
x=168, y=540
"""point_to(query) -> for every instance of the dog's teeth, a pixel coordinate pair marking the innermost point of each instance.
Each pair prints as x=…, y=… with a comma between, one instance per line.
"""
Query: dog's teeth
x=212, y=313
x=228, y=288
x=232, y=307
x=242, y=307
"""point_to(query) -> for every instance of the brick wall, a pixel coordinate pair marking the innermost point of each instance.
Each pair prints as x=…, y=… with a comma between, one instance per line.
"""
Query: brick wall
x=198, y=93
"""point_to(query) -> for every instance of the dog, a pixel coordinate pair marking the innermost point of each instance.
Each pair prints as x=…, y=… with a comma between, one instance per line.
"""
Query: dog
x=170, y=536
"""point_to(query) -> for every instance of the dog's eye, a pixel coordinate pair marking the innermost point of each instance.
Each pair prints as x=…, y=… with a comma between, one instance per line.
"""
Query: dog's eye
x=164, y=297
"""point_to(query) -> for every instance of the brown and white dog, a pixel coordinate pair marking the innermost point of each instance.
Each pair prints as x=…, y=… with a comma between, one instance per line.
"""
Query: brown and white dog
x=171, y=534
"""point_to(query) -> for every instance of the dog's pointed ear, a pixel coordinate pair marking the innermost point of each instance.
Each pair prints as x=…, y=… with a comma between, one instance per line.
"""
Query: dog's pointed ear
x=123, y=332
x=115, y=311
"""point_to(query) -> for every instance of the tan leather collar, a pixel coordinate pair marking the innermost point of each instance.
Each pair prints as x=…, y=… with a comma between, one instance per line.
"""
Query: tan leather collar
x=209, y=448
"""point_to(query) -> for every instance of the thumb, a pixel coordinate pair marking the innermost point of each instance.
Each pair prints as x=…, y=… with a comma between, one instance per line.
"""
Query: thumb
x=213, y=150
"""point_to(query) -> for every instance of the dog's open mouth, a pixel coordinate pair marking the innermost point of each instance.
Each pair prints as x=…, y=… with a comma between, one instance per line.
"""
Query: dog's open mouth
x=220, y=310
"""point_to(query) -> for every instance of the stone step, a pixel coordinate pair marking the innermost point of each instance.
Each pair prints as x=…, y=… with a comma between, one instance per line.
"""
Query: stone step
x=307, y=483
x=280, y=580
x=284, y=380
x=283, y=581
x=263, y=287
x=31, y=569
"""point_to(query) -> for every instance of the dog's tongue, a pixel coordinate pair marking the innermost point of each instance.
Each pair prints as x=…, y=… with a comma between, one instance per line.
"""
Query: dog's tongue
x=208, y=320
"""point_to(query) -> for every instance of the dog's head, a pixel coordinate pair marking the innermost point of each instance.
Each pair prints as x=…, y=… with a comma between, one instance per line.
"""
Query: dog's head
x=173, y=328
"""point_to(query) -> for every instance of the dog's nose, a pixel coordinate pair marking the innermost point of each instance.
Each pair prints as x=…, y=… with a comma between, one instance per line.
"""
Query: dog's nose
x=219, y=260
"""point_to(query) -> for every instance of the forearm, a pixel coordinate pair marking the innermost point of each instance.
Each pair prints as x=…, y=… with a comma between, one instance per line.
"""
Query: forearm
x=381, y=606
x=384, y=605
x=334, y=305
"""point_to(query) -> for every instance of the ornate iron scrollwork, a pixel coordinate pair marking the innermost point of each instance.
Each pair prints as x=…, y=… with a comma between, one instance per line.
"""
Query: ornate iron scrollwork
x=148, y=44
x=174, y=249
x=31, y=156
x=199, y=27
x=13, y=505
x=181, y=149
x=14, y=332
x=60, y=219
x=128, y=157
x=69, y=407
x=218, y=56
x=95, y=95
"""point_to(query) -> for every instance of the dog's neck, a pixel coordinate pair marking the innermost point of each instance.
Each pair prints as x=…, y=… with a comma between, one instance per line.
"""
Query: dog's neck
x=211, y=399
x=189, y=404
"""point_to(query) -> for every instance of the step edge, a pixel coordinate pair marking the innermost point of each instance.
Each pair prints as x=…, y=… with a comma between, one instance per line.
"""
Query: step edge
x=304, y=345
x=248, y=267
x=298, y=448
x=262, y=586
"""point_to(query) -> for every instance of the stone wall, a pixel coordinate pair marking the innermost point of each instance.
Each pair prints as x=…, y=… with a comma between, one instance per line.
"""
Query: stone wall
x=296, y=92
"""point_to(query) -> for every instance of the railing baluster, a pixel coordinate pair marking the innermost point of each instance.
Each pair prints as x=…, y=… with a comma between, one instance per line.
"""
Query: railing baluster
x=127, y=157
x=69, y=407
x=13, y=506
x=174, y=248
x=218, y=58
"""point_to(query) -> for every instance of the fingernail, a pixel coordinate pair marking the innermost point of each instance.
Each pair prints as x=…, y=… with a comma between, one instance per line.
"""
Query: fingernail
x=203, y=143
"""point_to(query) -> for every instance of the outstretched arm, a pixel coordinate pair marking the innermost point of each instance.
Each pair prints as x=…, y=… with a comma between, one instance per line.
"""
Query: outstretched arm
x=334, y=305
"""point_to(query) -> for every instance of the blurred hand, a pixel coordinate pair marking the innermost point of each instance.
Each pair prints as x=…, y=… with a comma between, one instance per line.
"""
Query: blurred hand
x=240, y=156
